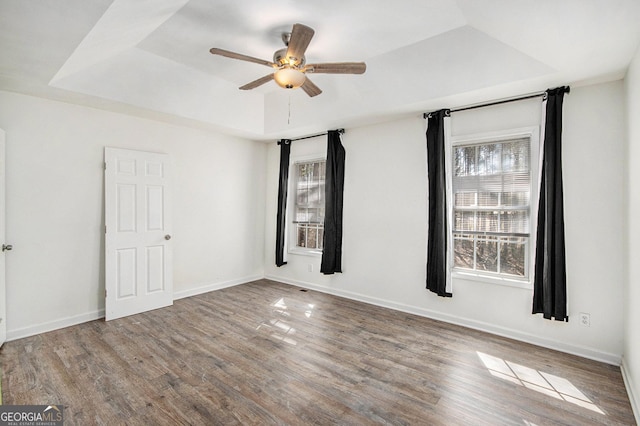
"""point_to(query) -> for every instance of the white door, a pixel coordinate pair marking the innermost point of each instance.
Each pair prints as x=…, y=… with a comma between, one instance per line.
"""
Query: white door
x=5, y=248
x=138, y=275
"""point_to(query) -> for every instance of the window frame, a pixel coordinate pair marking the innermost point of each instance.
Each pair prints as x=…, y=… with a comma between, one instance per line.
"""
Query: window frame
x=533, y=133
x=292, y=236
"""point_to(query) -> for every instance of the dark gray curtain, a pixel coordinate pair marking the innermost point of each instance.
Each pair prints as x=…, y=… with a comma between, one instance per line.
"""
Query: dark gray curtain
x=334, y=188
x=283, y=184
x=437, y=238
x=550, y=286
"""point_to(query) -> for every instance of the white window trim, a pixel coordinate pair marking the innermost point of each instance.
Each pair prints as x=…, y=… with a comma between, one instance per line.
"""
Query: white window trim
x=533, y=133
x=290, y=229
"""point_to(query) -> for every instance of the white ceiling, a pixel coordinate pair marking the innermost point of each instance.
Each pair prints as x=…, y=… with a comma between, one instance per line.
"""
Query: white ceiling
x=151, y=57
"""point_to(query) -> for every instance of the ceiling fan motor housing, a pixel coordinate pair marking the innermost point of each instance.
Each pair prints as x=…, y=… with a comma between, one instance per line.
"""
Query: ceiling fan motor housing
x=280, y=58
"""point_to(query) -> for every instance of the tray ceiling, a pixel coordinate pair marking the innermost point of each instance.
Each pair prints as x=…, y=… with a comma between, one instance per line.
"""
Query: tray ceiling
x=151, y=57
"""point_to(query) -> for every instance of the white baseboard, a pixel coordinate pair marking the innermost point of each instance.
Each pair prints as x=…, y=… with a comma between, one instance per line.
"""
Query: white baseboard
x=206, y=288
x=465, y=322
x=44, y=327
x=631, y=390
x=477, y=325
x=32, y=330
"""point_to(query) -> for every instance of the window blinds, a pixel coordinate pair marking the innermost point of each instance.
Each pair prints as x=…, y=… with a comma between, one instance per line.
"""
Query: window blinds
x=491, y=188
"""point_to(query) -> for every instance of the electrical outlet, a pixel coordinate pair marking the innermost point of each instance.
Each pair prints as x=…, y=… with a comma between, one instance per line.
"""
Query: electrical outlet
x=585, y=319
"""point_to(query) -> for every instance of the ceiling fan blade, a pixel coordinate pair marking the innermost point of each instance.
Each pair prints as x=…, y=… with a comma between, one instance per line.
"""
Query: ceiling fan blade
x=310, y=88
x=301, y=36
x=259, y=82
x=337, y=68
x=240, y=56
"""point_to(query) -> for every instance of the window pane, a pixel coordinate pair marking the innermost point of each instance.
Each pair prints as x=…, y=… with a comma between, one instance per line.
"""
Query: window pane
x=465, y=161
x=302, y=215
x=487, y=254
x=322, y=165
x=302, y=184
x=302, y=236
x=312, y=194
x=487, y=221
x=488, y=199
x=465, y=199
x=312, y=215
x=512, y=256
x=301, y=196
x=515, y=199
x=319, y=192
x=489, y=159
x=321, y=237
x=464, y=221
x=463, y=251
x=312, y=237
x=515, y=156
x=514, y=222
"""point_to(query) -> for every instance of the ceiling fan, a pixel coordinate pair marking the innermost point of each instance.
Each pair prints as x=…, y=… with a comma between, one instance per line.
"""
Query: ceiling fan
x=290, y=64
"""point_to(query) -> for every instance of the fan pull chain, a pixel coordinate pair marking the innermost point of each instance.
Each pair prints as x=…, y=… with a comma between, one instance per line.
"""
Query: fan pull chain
x=289, y=116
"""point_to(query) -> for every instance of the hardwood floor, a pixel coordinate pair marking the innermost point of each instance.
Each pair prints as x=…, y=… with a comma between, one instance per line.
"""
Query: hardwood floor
x=269, y=353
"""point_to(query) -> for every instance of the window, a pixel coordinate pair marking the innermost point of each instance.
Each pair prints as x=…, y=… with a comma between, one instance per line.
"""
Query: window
x=491, y=211
x=309, y=205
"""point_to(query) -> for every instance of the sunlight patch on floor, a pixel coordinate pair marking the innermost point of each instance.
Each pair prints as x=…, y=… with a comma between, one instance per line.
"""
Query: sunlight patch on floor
x=279, y=326
x=548, y=384
x=309, y=310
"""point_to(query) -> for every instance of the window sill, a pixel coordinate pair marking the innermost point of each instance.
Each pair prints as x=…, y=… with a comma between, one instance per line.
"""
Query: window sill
x=510, y=282
x=306, y=252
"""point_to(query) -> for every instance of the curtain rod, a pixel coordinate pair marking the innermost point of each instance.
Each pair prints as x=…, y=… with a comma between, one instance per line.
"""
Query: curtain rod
x=341, y=131
x=503, y=101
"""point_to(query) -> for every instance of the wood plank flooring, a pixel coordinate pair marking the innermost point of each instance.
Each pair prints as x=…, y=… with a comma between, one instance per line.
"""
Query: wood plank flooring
x=270, y=353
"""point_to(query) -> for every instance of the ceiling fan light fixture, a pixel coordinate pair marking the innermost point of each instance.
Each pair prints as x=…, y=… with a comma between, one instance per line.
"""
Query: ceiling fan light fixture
x=289, y=66
x=289, y=78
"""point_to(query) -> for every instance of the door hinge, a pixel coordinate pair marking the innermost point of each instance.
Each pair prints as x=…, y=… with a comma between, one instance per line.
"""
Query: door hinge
x=105, y=165
x=105, y=293
x=105, y=229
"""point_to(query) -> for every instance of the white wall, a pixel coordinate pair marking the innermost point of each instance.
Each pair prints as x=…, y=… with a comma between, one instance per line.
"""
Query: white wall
x=55, y=217
x=385, y=226
x=631, y=360
x=223, y=235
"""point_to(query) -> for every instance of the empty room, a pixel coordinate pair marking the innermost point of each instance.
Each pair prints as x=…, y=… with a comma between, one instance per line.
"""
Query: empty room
x=420, y=212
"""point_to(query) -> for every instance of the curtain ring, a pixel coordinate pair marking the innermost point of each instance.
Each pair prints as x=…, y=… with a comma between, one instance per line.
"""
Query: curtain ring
x=447, y=113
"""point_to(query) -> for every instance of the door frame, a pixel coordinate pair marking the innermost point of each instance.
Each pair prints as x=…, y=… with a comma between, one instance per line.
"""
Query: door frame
x=3, y=289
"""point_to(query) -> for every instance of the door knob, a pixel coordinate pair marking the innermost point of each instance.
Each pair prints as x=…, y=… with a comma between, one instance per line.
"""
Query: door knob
x=7, y=247
x=167, y=237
